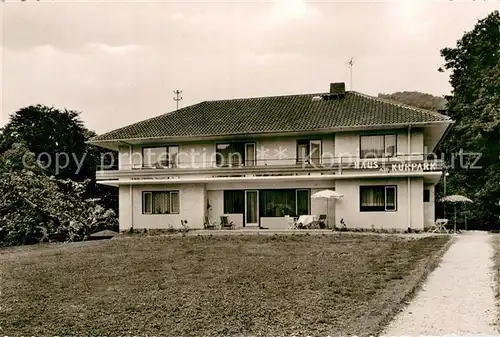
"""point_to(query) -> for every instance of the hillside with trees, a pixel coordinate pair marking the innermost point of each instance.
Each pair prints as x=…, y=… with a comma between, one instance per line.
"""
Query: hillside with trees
x=417, y=99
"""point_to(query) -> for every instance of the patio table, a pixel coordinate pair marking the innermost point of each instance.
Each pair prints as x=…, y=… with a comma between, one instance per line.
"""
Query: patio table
x=305, y=220
x=439, y=226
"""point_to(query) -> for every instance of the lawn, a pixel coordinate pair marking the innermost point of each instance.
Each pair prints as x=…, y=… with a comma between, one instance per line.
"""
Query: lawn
x=342, y=284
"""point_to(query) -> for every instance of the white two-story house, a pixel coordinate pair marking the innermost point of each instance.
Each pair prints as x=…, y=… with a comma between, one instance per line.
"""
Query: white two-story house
x=260, y=159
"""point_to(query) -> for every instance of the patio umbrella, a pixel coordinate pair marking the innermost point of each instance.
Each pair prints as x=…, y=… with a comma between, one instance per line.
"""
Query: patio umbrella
x=455, y=199
x=327, y=194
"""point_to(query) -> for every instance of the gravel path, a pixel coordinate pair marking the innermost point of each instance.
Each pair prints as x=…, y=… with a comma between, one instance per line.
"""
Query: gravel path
x=458, y=297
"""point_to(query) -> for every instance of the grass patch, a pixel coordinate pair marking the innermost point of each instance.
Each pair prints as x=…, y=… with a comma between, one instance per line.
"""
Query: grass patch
x=211, y=286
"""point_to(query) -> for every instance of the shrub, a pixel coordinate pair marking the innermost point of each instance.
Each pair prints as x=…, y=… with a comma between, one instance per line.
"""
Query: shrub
x=34, y=208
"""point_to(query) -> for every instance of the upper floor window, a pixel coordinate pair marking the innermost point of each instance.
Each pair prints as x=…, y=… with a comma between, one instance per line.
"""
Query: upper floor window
x=160, y=202
x=160, y=156
x=377, y=198
x=377, y=146
x=309, y=151
x=235, y=154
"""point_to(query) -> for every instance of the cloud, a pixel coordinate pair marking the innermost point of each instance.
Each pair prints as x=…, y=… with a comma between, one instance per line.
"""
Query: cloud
x=411, y=17
x=98, y=82
x=177, y=16
x=72, y=25
x=101, y=47
x=284, y=11
x=270, y=59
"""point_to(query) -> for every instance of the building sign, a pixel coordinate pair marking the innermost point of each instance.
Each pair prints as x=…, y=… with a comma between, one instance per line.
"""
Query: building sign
x=155, y=178
x=399, y=167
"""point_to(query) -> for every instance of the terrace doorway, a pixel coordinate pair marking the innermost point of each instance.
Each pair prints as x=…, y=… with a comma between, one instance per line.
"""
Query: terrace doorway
x=252, y=208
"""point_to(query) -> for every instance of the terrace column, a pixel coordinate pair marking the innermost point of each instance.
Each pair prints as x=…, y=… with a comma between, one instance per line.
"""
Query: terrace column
x=132, y=192
x=409, y=179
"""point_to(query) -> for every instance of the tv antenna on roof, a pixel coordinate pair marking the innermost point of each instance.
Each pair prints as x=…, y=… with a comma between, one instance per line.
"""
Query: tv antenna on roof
x=351, y=64
x=177, y=97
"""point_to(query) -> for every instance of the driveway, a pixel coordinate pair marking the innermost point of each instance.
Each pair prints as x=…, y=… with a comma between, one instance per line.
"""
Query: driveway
x=458, y=297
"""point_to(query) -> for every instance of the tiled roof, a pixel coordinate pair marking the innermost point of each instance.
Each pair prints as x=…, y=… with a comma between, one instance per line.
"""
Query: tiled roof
x=275, y=114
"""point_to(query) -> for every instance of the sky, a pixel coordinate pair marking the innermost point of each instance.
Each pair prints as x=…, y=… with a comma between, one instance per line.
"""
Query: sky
x=118, y=62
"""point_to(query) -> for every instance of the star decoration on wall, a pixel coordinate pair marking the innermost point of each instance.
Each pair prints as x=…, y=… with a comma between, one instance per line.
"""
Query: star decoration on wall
x=281, y=152
x=262, y=153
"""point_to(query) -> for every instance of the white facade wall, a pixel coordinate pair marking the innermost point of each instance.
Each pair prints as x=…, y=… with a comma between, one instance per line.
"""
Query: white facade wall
x=216, y=200
x=429, y=207
x=416, y=203
x=197, y=155
x=348, y=208
x=192, y=199
x=276, y=151
x=281, y=151
x=193, y=202
x=125, y=207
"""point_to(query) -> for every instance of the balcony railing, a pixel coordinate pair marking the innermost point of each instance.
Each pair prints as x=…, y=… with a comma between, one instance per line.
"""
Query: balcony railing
x=262, y=167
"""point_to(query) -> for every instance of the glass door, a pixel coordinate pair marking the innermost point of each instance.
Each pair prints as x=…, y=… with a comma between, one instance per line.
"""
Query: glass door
x=252, y=208
x=250, y=154
x=315, y=152
x=302, y=203
x=173, y=155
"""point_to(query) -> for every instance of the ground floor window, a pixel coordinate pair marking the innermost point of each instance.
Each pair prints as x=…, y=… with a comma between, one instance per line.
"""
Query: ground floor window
x=377, y=198
x=160, y=202
x=277, y=203
x=234, y=201
x=272, y=203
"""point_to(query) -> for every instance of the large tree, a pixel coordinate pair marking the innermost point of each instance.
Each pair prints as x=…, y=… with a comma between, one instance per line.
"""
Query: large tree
x=53, y=135
x=58, y=140
x=475, y=106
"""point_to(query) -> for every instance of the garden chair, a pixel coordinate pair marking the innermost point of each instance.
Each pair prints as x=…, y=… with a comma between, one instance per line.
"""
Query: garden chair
x=439, y=226
x=209, y=224
x=292, y=222
x=320, y=223
x=225, y=223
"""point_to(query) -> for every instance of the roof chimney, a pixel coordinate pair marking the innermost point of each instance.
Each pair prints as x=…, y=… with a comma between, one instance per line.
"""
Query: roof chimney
x=337, y=89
